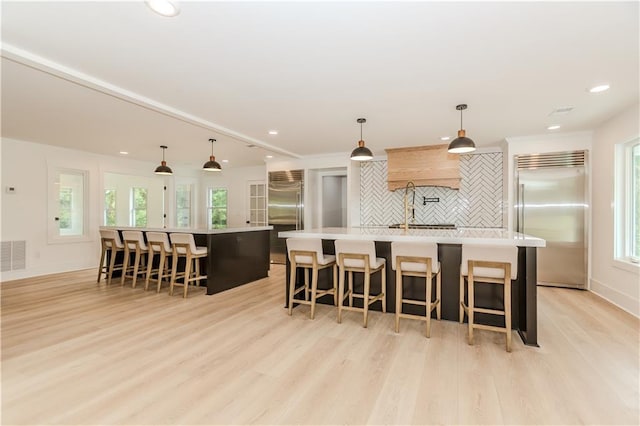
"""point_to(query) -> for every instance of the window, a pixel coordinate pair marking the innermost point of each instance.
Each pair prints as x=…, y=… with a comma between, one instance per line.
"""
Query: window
x=183, y=206
x=139, y=207
x=109, y=218
x=628, y=202
x=68, y=205
x=217, y=208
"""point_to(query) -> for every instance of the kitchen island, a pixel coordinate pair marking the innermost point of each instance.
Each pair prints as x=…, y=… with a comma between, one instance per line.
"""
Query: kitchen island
x=235, y=256
x=524, y=296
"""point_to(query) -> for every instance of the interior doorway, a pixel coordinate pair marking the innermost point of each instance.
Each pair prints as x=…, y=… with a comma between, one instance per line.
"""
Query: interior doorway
x=334, y=201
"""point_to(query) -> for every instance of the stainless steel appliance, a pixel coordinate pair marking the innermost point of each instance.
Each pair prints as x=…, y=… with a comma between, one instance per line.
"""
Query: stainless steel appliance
x=552, y=203
x=286, y=208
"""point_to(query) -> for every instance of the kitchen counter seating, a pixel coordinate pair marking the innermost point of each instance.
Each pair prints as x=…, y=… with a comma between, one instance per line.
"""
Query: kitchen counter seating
x=449, y=243
x=235, y=256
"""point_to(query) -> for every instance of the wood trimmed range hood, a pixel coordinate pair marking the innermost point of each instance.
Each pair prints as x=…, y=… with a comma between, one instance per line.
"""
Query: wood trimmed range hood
x=428, y=165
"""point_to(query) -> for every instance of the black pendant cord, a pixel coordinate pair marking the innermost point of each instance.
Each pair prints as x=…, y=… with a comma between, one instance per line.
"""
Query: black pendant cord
x=360, y=131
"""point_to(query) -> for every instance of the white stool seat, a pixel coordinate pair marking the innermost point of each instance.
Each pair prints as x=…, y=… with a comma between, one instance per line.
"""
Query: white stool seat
x=307, y=253
x=416, y=259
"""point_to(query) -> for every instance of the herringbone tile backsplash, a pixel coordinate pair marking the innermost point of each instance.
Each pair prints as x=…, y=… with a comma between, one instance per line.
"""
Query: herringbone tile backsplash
x=478, y=203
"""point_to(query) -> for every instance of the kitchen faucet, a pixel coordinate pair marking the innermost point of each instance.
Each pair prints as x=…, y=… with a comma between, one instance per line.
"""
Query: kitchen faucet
x=406, y=204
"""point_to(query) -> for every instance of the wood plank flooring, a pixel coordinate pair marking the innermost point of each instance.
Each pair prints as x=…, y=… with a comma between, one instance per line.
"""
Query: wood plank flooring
x=77, y=352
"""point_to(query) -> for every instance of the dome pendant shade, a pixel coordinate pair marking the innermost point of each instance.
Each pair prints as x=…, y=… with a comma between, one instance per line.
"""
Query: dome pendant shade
x=462, y=144
x=163, y=169
x=361, y=153
x=212, y=165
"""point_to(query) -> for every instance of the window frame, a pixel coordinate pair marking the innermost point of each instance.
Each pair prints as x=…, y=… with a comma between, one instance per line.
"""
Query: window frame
x=107, y=209
x=625, y=204
x=133, y=209
x=211, y=208
x=189, y=208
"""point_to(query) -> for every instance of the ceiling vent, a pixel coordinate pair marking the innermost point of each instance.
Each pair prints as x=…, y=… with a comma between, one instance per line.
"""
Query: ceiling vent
x=561, y=110
x=251, y=145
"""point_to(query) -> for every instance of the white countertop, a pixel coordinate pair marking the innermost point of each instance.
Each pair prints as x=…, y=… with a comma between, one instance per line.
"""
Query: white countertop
x=247, y=228
x=442, y=236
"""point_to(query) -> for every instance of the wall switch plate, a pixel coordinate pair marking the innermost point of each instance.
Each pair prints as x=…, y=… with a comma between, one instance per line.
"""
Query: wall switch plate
x=10, y=189
x=426, y=200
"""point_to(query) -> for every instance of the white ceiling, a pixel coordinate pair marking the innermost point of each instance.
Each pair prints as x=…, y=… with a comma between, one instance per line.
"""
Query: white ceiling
x=112, y=76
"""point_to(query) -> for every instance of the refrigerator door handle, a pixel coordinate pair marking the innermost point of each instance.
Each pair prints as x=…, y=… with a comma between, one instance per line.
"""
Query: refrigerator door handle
x=522, y=208
x=520, y=211
x=298, y=227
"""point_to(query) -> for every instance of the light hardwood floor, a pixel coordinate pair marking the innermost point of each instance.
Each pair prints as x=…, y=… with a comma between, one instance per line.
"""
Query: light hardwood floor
x=77, y=352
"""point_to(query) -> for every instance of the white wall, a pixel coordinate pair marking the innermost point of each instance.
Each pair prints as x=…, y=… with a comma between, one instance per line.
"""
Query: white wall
x=24, y=213
x=613, y=280
x=122, y=184
x=236, y=181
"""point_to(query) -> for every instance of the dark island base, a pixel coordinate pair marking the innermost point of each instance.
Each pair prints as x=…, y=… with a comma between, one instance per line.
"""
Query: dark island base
x=234, y=259
x=523, y=290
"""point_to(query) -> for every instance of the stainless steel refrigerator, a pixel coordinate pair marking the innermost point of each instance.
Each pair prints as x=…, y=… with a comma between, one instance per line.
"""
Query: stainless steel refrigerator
x=552, y=203
x=286, y=208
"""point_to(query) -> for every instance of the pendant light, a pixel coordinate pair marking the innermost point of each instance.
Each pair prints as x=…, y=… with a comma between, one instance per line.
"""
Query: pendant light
x=212, y=165
x=461, y=144
x=163, y=169
x=361, y=153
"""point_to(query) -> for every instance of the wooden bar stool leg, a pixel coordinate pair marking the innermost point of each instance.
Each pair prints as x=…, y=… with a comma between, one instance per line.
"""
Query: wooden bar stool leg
x=196, y=262
x=292, y=286
x=173, y=272
x=162, y=269
x=335, y=285
x=112, y=265
x=350, y=288
x=470, y=306
x=306, y=284
x=398, y=297
x=438, y=295
x=150, y=257
x=136, y=264
x=507, y=309
x=125, y=264
x=461, y=307
x=314, y=289
x=383, y=288
x=428, y=304
x=187, y=274
x=100, y=267
x=367, y=285
x=340, y=295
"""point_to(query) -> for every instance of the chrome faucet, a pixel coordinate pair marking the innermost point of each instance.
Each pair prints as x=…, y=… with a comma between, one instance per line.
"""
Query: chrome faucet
x=407, y=205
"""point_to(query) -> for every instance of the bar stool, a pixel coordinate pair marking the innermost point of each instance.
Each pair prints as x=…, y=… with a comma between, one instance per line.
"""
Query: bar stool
x=133, y=242
x=111, y=244
x=416, y=259
x=307, y=253
x=158, y=242
x=185, y=246
x=488, y=264
x=359, y=256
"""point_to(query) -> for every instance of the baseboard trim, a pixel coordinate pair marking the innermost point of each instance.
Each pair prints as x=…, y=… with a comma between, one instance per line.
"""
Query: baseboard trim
x=613, y=296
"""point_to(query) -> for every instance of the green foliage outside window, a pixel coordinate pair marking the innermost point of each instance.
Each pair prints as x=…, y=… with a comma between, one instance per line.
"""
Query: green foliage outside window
x=139, y=203
x=217, y=208
x=66, y=202
x=110, y=207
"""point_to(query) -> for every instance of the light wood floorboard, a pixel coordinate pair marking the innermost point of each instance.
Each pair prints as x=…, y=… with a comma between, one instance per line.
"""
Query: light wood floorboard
x=77, y=352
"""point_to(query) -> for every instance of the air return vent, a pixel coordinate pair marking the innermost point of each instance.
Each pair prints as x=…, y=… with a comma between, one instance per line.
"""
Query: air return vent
x=13, y=255
x=286, y=176
x=563, y=110
x=548, y=160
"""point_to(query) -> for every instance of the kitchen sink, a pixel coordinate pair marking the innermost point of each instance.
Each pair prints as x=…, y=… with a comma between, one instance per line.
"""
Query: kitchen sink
x=425, y=225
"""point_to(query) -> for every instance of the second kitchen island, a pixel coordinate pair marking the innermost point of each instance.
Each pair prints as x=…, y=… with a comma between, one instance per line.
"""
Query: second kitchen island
x=524, y=292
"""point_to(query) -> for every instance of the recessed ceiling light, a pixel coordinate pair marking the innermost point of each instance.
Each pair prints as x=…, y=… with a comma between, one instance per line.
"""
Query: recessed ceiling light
x=225, y=161
x=445, y=138
x=599, y=88
x=553, y=127
x=273, y=132
x=163, y=7
x=268, y=156
x=124, y=152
